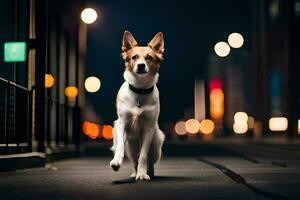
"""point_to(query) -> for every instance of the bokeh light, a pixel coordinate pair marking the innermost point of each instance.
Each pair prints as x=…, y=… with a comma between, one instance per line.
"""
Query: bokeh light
x=278, y=123
x=192, y=126
x=180, y=128
x=298, y=126
x=49, y=80
x=241, y=117
x=71, y=92
x=90, y=129
x=222, y=49
x=107, y=132
x=88, y=15
x=251, y=122
x=216, y=99
x=207, y=126
x=92, y=84
x=235, y=40
x=215, y=83
x=240, y=127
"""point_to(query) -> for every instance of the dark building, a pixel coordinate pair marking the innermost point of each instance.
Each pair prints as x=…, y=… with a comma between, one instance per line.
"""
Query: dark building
x=276, y=30
x=36, y=114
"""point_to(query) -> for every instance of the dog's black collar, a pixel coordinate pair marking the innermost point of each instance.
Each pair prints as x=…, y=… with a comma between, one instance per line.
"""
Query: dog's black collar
x=141, y=91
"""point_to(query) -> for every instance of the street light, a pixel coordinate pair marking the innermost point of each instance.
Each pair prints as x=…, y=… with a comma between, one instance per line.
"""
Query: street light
x=88, y=15
x=235, y=40
x=222, y=49
x=92, y=84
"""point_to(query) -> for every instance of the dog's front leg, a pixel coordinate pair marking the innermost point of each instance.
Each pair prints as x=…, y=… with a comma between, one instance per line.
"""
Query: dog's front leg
x=143, y=158
x=120, y=140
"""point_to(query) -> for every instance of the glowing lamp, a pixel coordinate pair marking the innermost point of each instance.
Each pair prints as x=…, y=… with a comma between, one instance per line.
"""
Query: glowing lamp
x=216, y=96
x=216, y=99
x=235, y=40
x=207, y=126
x=71, y=92
x=88, y=15
x=92, y=84
x=90, y=129
x=240, y=127
x=180, y=128
x=278, y=123
x=14, y=51
x=298, y=126
x=49, y=80
x=192, y=126
x=215, y=83
x=107, y=132
x=222, y=49
x=240, y=117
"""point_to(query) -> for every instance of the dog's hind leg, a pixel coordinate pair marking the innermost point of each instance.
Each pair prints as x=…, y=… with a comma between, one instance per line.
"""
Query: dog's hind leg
x=155, y=151
x=132, y=150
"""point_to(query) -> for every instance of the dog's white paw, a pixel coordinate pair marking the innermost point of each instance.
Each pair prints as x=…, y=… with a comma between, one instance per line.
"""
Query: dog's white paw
x=133, y=175
x=142, y=177
x=115, y=164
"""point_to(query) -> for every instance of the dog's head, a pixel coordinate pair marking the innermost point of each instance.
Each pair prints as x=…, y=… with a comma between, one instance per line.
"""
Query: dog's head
x=142, y=61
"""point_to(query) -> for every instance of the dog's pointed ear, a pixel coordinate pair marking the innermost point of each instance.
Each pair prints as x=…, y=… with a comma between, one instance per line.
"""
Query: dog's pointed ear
x=157, y=43
x=128, y=41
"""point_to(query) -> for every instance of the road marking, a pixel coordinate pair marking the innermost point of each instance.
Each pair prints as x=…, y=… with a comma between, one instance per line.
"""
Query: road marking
x=239, y=179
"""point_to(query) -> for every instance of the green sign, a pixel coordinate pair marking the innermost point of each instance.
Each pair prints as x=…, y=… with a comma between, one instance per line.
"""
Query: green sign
x=15, y=51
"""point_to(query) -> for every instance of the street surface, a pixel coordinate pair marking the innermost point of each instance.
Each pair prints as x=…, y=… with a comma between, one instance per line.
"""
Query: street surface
x=200, y=171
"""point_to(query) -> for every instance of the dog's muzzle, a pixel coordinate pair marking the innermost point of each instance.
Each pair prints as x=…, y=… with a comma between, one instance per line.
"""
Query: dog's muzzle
x=141, y=68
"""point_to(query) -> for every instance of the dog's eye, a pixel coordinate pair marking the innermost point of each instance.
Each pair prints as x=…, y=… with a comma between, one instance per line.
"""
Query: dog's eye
x=134, y=57
x=148, y=57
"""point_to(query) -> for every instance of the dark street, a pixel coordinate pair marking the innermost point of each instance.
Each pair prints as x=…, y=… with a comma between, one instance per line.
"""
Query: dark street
x=209, y=172
x=92, y=86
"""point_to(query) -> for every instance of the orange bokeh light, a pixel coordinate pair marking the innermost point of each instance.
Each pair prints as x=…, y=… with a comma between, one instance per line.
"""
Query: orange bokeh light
x=216, y=98
x=90, y=129
x=207, y=126
x=49, y=80
x=71, y=92
x=107, y=132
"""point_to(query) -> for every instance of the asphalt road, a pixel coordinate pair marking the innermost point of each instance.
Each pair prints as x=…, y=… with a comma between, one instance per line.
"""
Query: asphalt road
x=210, y=172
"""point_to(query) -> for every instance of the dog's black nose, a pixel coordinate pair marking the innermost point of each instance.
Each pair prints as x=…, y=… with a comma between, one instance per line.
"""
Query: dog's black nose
x=141, y=67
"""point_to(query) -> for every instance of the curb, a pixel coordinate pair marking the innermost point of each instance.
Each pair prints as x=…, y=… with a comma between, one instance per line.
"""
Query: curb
x=22, y=161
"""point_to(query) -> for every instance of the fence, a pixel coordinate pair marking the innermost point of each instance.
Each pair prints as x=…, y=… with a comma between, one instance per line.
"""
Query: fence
x=62, y=124
x=15, y=118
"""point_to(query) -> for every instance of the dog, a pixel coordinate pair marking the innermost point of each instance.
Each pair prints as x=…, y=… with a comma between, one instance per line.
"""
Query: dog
x=136, y=132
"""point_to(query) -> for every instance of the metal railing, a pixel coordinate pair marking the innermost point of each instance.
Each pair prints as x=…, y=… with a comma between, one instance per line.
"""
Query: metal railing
x=15, y=118
x=62, y=124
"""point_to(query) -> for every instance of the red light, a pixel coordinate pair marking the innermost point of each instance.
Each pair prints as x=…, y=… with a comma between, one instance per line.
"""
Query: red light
x=215, y=83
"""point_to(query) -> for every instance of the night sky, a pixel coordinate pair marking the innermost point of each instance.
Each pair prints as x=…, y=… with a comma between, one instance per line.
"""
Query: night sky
x=190, y=29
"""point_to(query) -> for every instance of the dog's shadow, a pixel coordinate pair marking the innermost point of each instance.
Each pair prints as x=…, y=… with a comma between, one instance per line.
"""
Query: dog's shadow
x=153, y=179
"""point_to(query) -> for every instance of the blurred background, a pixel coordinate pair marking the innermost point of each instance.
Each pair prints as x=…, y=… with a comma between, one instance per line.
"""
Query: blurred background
x=230, y=70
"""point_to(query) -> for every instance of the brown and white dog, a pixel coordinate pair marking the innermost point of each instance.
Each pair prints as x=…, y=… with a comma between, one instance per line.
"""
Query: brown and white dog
x=136, y=130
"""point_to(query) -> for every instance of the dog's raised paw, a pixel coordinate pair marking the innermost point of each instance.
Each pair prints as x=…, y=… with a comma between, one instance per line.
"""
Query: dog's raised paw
x=142, y=177
x=115, y=164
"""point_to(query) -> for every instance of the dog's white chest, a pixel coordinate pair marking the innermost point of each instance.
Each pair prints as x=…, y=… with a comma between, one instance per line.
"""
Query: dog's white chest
x=134, y=108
